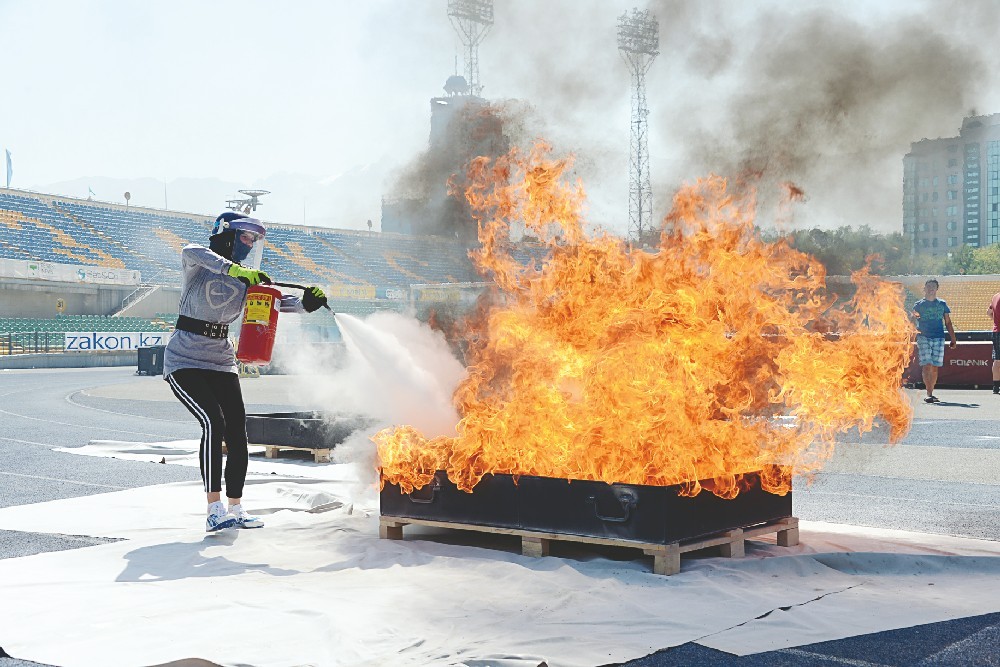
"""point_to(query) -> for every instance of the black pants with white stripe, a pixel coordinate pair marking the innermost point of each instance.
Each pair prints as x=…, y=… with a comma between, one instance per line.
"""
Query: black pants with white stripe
x=216, y=401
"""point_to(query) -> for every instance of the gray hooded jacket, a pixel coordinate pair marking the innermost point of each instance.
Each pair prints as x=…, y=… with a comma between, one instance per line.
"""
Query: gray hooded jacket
x=210, y=294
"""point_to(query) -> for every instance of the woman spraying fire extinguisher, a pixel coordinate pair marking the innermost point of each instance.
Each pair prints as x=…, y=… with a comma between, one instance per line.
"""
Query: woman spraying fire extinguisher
x=200, y=363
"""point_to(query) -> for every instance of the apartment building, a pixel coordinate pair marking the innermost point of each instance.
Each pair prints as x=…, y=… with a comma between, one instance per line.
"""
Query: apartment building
x=951, y=189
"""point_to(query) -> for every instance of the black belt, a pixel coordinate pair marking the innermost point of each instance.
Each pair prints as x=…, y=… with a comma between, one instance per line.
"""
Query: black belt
x=202, y=328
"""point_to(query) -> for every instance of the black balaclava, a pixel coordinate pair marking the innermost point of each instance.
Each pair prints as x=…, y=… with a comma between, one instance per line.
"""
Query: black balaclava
x=222, y=244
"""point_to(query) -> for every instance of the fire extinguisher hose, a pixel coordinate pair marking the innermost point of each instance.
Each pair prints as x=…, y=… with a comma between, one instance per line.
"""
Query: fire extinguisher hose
x=301, y=287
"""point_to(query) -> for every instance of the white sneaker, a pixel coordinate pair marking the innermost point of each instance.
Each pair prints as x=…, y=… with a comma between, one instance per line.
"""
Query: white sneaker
x=218, y=518
x=244, y=520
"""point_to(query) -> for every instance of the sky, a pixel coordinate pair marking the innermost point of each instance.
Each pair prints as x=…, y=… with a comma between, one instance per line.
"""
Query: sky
x=325, y=102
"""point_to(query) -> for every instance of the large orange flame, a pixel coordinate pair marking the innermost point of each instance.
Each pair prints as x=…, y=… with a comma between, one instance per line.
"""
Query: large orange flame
x=716, y=355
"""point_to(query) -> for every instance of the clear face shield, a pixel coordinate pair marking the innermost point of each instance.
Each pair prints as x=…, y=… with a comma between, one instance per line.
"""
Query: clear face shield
x=248, y=248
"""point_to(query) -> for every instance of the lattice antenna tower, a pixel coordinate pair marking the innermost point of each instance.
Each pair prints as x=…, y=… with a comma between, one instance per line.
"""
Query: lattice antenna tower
x=472, y=19
x=638, y=41
x=254, y=198
x=249, y=204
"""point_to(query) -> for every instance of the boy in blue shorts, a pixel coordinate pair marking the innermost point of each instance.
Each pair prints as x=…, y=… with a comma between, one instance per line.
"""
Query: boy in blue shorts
x=932, y=315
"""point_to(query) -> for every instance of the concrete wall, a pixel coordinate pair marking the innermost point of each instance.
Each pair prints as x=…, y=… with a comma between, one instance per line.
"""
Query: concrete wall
x=163, y=300
x=37, y=298
x=70, y=360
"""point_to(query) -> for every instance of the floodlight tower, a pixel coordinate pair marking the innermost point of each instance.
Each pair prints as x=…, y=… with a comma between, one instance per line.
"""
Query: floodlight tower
x=472, y=19
x=638, y=41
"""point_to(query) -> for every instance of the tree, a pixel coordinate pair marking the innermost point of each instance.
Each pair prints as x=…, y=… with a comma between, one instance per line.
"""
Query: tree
x=846, y=249
x=925, y=265
x=985, y=260
x=961, y=261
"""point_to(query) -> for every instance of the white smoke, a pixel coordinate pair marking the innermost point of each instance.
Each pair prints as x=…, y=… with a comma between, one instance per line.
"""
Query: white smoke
x=396, y=371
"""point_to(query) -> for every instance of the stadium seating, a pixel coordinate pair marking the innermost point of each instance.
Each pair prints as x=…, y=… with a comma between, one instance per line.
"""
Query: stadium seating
x=63, y=230
x=31, y=229
x=66, y=323
x=967, y=299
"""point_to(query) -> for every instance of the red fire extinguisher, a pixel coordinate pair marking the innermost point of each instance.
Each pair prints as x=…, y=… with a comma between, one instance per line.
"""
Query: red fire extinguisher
x=260, y=323
x=259, y=326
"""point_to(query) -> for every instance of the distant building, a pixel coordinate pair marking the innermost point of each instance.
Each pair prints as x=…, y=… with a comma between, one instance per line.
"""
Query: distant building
x=951, y=189
x=463, y=126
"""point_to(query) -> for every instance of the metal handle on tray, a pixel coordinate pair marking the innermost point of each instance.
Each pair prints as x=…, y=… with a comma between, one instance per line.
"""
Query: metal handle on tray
x=628, y=502
x=434, y=487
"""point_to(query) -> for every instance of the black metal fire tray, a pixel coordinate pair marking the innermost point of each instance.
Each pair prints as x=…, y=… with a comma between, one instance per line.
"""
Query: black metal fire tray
x=628, y=512
x=302, y=429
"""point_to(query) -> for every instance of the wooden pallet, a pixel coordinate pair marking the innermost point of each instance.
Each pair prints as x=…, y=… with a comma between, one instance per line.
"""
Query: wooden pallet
x=320, y=454
x=666, y=557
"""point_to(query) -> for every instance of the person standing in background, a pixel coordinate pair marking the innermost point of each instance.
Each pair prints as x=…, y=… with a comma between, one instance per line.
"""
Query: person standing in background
x=932, y=315
x=994, y=312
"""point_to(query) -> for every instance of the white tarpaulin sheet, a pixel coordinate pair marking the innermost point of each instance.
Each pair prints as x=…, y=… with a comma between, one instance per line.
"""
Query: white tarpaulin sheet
x=185, y=453
x=317, y=586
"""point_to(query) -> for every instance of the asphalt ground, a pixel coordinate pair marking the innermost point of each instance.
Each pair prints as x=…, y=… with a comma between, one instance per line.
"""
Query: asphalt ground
x=944, y=477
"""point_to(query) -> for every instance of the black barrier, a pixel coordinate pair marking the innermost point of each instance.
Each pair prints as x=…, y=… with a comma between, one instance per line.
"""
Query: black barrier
x=150, y=360
x=970, y=364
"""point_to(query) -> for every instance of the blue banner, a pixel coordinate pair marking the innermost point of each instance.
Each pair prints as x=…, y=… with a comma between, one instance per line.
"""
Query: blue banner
x=10, y=168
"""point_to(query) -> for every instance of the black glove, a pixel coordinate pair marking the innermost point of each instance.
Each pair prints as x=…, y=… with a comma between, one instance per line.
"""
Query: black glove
x=313, y=299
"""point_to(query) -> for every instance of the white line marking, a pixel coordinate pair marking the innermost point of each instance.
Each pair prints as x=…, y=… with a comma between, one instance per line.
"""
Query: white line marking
x=974, y=644
x=69, y=399
x=93, y=428
x=59, y=479
x=30, y=442
x=831, y=658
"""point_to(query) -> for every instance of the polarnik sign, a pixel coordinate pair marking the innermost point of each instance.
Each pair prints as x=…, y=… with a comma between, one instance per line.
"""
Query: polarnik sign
x=968, y=365
x=89, y=341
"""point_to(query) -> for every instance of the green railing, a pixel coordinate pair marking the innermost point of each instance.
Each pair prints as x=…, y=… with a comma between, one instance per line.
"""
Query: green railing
x=32, y=342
